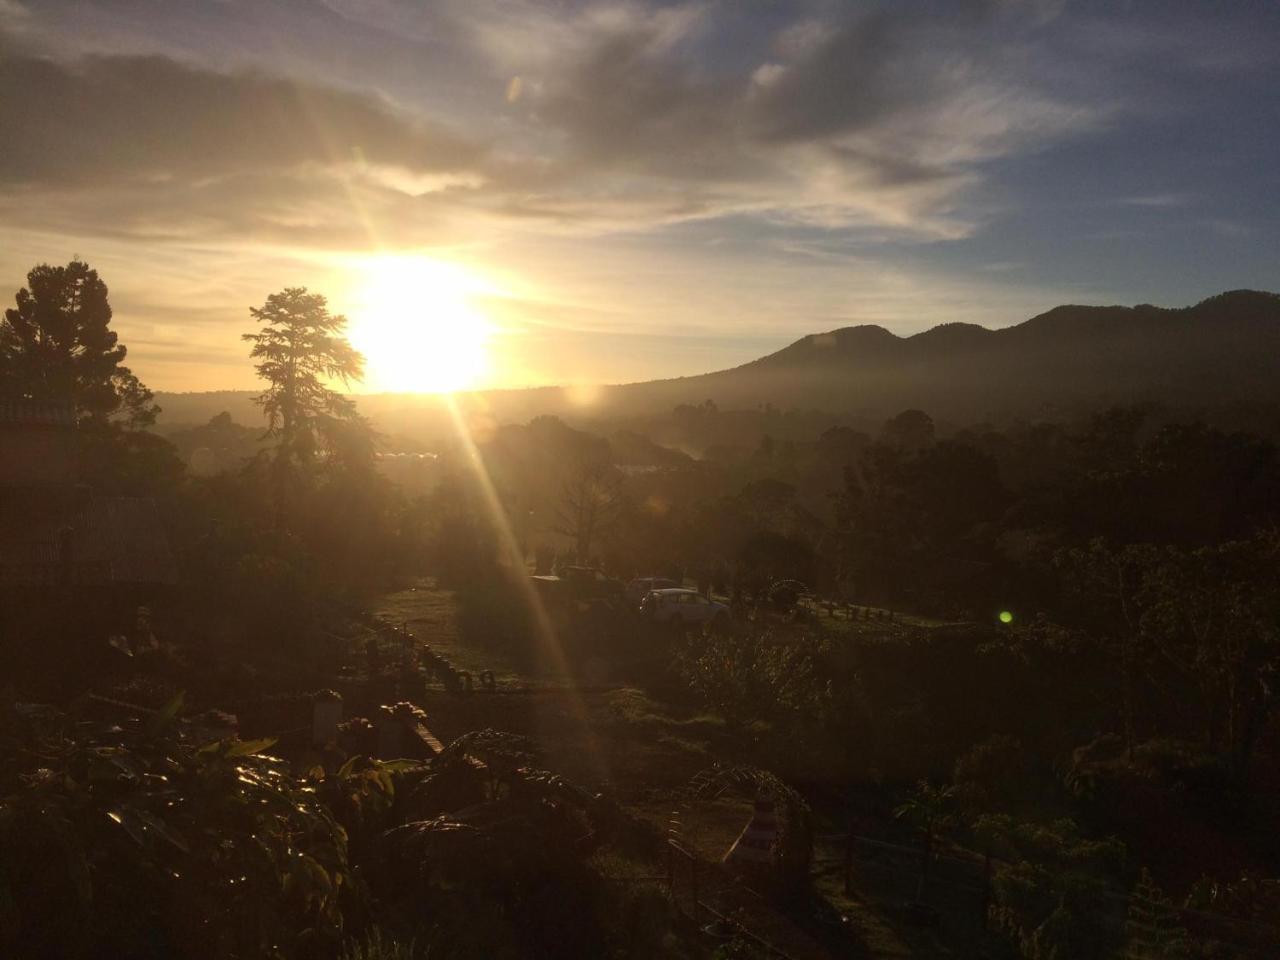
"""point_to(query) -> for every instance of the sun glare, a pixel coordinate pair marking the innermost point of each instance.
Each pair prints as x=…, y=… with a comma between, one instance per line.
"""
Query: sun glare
x=416, y=322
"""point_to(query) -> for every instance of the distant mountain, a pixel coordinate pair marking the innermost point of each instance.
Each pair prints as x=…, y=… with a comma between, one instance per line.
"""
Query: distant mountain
x=1221, y=354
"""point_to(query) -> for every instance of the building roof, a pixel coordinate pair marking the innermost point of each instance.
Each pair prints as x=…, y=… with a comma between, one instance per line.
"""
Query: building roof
x=46, y=413
x=108, y=540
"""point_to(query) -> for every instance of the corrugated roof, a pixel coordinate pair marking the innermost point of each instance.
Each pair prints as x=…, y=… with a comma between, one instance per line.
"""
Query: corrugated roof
x=112, y=540
x=38, y=412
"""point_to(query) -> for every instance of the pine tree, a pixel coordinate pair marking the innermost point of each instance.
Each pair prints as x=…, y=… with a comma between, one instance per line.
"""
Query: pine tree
x=56, y=345
x=300, y=350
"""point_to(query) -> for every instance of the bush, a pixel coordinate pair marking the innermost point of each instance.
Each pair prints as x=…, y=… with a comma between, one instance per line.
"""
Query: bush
x=129, y=840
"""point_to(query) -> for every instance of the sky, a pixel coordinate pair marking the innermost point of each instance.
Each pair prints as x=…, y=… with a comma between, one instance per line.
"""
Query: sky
x=509, y=192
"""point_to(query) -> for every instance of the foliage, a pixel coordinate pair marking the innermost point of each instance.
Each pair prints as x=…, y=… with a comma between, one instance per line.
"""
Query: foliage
x=929, y=810
x=1152, y=926
x=758, y=676
x=910, y=505
x=497, y=861
x=56, y=345
x=590, y=506
x=128, y=840
x=300, y=350
x=376, y=945
x=1191, y=626
x=994, y=775
x=1051, y=888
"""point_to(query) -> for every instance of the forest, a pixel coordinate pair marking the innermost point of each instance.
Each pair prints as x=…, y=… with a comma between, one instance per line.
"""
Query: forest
x=1011, y=686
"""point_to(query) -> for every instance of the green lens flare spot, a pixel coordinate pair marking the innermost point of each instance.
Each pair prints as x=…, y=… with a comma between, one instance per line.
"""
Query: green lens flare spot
x=1006, y=616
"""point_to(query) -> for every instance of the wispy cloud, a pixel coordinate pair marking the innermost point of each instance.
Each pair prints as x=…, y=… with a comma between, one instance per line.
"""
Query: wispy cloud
x=1158, y=200
x=623, y=121
x=1230, y=229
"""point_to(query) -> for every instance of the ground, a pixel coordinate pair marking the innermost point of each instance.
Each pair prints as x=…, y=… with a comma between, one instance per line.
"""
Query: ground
x=644, y=753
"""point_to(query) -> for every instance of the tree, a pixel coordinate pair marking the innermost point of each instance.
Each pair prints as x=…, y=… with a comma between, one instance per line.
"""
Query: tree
x=928, y=809
x=300, y=350
x=590, y=506
x=879, y=523
x=1195, y=627
x=56, y=345
x=911, y=430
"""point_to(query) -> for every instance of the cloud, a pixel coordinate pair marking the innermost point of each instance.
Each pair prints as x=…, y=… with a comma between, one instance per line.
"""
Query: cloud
x=110, y=119
x=881, y=118
x=606, y=116
x=1157, y=200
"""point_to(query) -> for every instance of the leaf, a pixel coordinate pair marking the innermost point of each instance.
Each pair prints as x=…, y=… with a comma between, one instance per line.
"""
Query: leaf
x=318, y=874
x=165, y=831
x=136, y=832
x=245, y=748
x=166, y=715
x=400, y=766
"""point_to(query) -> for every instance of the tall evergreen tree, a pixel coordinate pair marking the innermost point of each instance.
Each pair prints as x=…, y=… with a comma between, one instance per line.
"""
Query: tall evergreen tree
x=56, y=345
x=300, y=351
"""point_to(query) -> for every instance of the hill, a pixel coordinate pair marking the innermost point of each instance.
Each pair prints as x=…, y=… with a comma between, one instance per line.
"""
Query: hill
x=1218, y=355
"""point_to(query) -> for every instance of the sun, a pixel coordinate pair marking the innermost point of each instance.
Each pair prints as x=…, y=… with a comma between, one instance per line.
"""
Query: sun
x=416, y=322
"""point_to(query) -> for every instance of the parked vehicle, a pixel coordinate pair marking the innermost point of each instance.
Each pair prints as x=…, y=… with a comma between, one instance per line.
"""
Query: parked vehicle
x=590, y=582
x=575, y=590
x=688, y=608
x=639, y=587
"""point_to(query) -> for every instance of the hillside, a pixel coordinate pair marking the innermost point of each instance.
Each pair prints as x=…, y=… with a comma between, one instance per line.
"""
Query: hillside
x=1216, y=355
x=1219, y=353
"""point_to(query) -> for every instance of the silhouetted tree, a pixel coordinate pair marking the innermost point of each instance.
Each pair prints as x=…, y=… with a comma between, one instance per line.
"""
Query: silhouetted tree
x=879, y=523
x=911, y=430
x=590, y=506
x=1195, y=627
x=300, y=350
x=56, y=345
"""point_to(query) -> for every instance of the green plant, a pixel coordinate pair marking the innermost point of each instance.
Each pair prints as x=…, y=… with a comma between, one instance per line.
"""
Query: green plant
x=1152, y=927
x=376, y=945
x=130, y=840
x=929, y=811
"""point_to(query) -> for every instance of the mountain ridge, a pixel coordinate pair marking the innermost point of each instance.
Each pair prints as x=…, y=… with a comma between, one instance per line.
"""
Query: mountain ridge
x=1219, y=351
